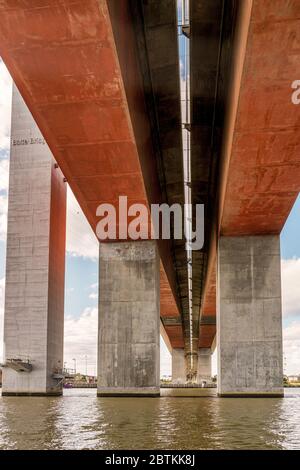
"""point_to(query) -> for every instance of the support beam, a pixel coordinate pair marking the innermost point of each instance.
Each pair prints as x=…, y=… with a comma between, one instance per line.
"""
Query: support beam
x=179, y=369
x=35, y=265
x=178, y=366
x=204, y=365
x=165, y=337
x=129, y=320
x=249, y=317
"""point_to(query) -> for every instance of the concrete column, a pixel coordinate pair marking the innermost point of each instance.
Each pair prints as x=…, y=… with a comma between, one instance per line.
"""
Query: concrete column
x=204, y=365
x=35, y=265
x=178, y=366
x=249, y=325
x=129, y=319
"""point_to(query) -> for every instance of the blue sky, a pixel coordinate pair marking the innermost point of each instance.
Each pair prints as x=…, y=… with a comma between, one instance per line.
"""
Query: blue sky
x=290, y=235
x=81, y=284
x=82, y=269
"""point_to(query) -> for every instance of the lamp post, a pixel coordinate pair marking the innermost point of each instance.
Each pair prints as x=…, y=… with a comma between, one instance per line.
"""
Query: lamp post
x=74, y=359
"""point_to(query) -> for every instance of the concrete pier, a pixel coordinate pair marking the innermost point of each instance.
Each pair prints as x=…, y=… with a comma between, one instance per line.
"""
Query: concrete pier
x=204, y=365
x=35, y=266
x=178, y=366
x=129, y=319
x=249, y=323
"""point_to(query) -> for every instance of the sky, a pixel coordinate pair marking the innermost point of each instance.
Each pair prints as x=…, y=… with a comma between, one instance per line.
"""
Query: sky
x=81, y=292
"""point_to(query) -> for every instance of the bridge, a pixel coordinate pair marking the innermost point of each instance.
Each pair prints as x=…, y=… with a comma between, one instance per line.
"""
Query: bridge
x=162, y=102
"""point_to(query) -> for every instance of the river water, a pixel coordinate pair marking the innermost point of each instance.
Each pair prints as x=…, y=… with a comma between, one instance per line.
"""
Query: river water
x=80, y=420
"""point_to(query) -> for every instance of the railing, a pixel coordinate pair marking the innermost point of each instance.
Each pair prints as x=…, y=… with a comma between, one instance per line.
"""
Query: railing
x=81, y=385
x=173, y=385
x=18, y=364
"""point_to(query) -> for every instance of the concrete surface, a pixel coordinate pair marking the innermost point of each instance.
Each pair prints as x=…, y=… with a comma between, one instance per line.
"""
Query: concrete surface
x=129, y=320
x=34, y=296
x=249, y=319
x=179, y=371
x=204, y=365
x=178, y=366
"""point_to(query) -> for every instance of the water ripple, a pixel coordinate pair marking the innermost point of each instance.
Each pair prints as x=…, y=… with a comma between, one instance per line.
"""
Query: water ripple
x=80, y=420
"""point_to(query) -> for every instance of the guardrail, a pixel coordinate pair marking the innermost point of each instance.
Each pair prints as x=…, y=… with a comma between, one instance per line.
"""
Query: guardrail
x=171, y=385
x=80, y=385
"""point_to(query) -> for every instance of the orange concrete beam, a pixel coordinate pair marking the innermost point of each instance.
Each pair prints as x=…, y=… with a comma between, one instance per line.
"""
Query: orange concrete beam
x=63, y=57
x=261, y=152
x=264, y=169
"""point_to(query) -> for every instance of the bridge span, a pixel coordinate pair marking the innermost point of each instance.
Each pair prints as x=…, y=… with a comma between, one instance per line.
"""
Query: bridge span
x=97, y=102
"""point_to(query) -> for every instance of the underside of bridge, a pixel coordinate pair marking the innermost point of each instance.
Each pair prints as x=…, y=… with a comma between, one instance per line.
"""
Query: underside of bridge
x=55, y=63
x=211, y=34
x=102, y=81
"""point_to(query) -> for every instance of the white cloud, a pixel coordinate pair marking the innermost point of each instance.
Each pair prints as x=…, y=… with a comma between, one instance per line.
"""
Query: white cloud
x=94, y=286
x=290, y=278
x=81, y=340
x=291, y=348
x=81, y=240
x=94, y=289
x=5, y=106
x=214, y=362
